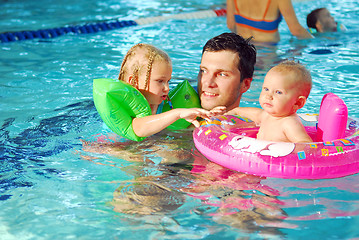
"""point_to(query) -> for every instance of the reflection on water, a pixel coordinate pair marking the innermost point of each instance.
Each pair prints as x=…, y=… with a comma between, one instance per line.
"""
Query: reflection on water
x=146, y=196
x=170, y=188
x=182, y=181
x=226, y=197
x=236, y=199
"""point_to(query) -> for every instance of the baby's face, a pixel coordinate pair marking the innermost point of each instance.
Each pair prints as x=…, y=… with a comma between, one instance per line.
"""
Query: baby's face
x=160, y=76
x=327, y=21
x=279, y=93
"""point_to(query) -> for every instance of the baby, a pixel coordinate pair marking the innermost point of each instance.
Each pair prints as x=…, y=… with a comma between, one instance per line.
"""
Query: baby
x=285, y=89
x=149, y=70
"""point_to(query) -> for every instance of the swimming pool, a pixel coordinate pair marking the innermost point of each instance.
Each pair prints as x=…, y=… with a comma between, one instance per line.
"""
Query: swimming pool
x=58, y=182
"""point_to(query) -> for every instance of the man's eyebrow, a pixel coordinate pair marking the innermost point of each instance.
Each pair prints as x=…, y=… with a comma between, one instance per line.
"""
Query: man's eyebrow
x=223, y=70
x=217, y=69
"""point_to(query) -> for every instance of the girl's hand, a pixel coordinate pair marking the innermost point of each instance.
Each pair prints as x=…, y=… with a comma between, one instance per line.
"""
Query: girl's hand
x=191, y=114
x=220, y=110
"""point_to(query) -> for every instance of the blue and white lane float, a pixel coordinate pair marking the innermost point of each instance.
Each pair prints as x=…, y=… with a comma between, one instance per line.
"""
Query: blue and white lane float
x=230, y=141
x=103, y=26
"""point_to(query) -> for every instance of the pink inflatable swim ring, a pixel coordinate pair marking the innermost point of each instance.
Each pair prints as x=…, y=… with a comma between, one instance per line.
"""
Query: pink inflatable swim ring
x=230, y=141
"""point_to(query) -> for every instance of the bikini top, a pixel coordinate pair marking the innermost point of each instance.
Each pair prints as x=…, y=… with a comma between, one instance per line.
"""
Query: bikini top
x=259, y=25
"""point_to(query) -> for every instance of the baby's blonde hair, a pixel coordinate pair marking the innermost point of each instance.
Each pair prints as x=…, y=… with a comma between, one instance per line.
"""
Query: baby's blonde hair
x=302, y=74
x=140, y=57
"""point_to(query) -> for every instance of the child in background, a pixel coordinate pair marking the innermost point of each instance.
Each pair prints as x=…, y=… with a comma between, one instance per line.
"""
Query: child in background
x=285, y=89
x=320, y=20
x=149, y=70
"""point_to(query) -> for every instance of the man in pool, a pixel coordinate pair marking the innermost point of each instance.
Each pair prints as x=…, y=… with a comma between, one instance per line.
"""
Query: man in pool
x=226, y=73
x=321, y=20
x=226, y=70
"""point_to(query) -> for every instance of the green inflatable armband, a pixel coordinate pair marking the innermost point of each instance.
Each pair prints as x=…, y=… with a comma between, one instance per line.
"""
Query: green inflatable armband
x=118, y=103
x=182, y=96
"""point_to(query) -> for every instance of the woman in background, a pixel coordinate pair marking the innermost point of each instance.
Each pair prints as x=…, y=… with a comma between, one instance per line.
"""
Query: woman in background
x=261, y=18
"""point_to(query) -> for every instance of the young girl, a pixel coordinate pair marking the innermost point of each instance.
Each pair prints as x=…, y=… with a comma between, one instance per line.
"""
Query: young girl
x=285, y=89
x=149, y=70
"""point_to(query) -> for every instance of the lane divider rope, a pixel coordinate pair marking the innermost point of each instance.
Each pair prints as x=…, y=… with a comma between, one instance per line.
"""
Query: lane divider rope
x=104, y=26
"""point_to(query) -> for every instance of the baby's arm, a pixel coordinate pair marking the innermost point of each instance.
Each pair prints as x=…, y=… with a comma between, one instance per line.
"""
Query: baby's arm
x=295, y=131
x=149, y=125
x=255, y=114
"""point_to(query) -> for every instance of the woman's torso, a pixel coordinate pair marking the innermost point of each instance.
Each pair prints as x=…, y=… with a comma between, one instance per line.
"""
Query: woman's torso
x=258, y=10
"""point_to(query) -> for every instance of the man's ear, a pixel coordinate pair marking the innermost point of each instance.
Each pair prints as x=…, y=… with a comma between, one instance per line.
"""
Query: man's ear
x=319, y=26
x=246, y=84
x=300, y=102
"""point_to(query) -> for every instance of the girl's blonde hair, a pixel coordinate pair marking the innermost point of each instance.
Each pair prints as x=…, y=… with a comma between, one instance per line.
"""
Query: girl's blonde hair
x=140, y=57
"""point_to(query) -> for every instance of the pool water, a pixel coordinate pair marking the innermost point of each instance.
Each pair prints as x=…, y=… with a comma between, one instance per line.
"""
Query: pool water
x=64, y=176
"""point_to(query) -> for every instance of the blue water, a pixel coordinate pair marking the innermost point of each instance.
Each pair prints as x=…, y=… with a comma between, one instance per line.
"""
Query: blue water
x=57, y=181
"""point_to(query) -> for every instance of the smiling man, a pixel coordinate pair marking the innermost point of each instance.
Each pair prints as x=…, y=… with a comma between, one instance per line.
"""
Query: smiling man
x=226, y=70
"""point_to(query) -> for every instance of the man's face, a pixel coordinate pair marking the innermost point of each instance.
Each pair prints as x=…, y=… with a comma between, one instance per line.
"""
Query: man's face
x=327, y=22
x=219, y=80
